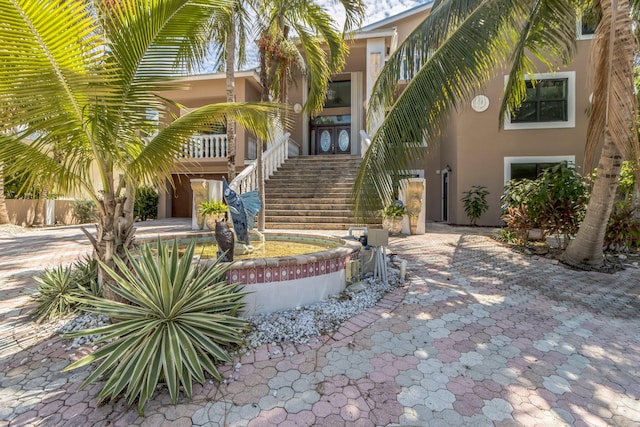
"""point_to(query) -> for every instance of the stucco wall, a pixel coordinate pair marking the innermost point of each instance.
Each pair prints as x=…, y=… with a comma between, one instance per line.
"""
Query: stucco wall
x=475, y=147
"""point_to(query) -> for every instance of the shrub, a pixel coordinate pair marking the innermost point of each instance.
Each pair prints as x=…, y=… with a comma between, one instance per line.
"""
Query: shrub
x=394, y=210
x=84, y=211
x=146, y=203
x=213, y=207
x=555, y=202
x=56, y=295
x=475, y=202
x=561, y=200
x=63, y=290
x=171, y=328
x=623, y=231
x=86, y=274
x=518, y=208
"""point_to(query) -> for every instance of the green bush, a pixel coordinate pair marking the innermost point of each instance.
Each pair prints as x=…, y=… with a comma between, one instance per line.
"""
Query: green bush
x=146, y=203
x=623, y=231
x=475, y=202
x=561, y=199
x=172, y=326
x=555, y=202
x=84, y=211
x=56, y=295
x=62, y=291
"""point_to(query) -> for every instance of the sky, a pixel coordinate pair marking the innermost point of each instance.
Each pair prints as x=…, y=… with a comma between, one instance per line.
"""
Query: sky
x=376, y=10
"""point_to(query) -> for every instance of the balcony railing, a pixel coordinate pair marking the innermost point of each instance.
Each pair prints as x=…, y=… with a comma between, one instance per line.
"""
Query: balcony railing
x=272, y=159
x=212, y=146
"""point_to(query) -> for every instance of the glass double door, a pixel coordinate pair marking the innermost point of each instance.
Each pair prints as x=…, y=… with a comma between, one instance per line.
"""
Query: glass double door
x=330, y=139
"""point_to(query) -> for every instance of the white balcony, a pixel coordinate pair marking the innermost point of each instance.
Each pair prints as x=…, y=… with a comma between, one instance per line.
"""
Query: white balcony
x=212, y=146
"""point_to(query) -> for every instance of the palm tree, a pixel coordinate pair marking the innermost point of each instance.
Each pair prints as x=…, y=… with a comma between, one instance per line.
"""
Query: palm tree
x=280, y=54
x=231, y=35
x=459, y=46
x=88, y=74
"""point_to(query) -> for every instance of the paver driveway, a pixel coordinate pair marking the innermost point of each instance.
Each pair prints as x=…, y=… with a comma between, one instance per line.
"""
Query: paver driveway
x=479, y=336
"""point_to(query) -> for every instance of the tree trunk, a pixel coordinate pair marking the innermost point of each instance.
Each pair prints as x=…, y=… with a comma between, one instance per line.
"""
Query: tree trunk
x=586, y=250
x=41, y=205
x=4, y=213
x=114, y=234
x=264, y=81
x=231, y=97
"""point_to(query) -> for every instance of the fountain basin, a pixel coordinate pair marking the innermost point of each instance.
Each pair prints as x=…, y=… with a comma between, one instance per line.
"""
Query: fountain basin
x=281, y=283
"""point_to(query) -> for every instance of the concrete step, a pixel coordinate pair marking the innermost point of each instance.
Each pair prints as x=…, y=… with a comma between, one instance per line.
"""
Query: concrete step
x=312, y=192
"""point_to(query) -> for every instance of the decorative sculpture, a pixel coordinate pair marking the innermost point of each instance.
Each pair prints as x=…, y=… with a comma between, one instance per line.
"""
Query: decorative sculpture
x=243, y=209
x=414, y=203
x=226, y=241
x=200, y=188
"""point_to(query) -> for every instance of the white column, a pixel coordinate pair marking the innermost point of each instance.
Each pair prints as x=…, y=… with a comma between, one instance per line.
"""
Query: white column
x=357, y=111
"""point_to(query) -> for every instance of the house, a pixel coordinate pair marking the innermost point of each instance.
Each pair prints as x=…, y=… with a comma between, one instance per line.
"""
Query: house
x=473, y=150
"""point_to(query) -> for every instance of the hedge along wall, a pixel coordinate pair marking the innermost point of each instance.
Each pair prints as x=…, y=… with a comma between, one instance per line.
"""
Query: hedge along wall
x=22, y=212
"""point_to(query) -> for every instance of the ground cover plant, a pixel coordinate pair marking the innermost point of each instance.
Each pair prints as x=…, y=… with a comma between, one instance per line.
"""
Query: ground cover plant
x=172, y=325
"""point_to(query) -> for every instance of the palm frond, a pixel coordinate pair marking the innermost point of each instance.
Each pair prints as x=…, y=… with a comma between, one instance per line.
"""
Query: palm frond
x=614, y=105
x=458, y=48
x=158, y=154
x=548, y=35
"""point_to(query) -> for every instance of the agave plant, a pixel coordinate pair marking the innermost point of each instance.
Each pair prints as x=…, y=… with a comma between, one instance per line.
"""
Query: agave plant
x=171, y=328
x=57, y=294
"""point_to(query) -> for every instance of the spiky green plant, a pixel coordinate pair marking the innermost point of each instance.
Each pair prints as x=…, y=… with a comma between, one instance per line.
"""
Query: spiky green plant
x=86, y=272
x=173, y=325
x=57, y=294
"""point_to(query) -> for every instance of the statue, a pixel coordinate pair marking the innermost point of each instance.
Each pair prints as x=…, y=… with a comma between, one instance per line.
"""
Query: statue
x=414, y=203
x=243, y=209
x=225, y=239
x=200, y=188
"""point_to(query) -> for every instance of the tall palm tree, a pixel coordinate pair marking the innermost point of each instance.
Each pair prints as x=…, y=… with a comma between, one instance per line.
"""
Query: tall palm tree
x=88, y=74
x=459, y=47
x=314, y=31
x=231, y=35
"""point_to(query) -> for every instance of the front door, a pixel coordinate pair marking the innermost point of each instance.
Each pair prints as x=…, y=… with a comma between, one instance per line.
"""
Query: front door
x=331, y=139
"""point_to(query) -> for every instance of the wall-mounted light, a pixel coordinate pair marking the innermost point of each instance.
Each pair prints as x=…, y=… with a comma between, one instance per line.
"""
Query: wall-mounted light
x=297, y=108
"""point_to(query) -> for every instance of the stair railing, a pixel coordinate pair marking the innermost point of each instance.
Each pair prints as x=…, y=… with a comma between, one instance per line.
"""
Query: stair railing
x=365, y=142
x=272, y=159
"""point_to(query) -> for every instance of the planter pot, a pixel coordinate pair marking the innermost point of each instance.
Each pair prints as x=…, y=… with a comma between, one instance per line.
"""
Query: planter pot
x=392, y=224
x=211, y=219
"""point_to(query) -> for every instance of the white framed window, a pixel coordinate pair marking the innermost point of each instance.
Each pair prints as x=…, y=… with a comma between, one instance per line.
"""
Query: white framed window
x=531, y=166
x=586, y=25
x=550, y=104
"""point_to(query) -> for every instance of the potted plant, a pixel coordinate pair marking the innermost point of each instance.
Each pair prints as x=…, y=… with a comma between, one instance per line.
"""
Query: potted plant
x=213, y=210
x=392, y=216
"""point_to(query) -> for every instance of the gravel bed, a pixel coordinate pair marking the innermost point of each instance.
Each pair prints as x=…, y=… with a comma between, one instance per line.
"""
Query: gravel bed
x=298, y=325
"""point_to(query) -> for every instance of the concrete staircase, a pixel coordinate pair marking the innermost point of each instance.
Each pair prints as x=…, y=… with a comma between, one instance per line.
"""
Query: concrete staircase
x=312, y=193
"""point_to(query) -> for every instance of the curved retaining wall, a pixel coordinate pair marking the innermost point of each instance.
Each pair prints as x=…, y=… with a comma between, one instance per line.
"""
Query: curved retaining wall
x=289, y=282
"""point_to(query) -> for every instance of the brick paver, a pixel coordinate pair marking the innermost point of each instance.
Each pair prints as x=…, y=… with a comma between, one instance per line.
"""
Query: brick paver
x=479, y=335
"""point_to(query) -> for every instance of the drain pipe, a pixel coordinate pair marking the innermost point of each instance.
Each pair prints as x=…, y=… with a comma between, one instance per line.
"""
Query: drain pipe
x=403, y=265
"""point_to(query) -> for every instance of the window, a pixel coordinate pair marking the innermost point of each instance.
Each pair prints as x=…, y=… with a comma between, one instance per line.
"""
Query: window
x=530, y=166
x=528, y=170
x=545, y=102
x=550, y=103
x=587, y=24
x=338, y=95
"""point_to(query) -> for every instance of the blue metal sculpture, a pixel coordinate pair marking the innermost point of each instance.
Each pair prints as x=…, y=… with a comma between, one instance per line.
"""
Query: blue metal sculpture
x=243, y=209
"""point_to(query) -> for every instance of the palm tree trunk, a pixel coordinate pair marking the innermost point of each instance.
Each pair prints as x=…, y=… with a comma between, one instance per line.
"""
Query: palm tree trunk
x=41, y=204
x=231, y=97
x=586, y=250
x=266, y=85
x=4, y=213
